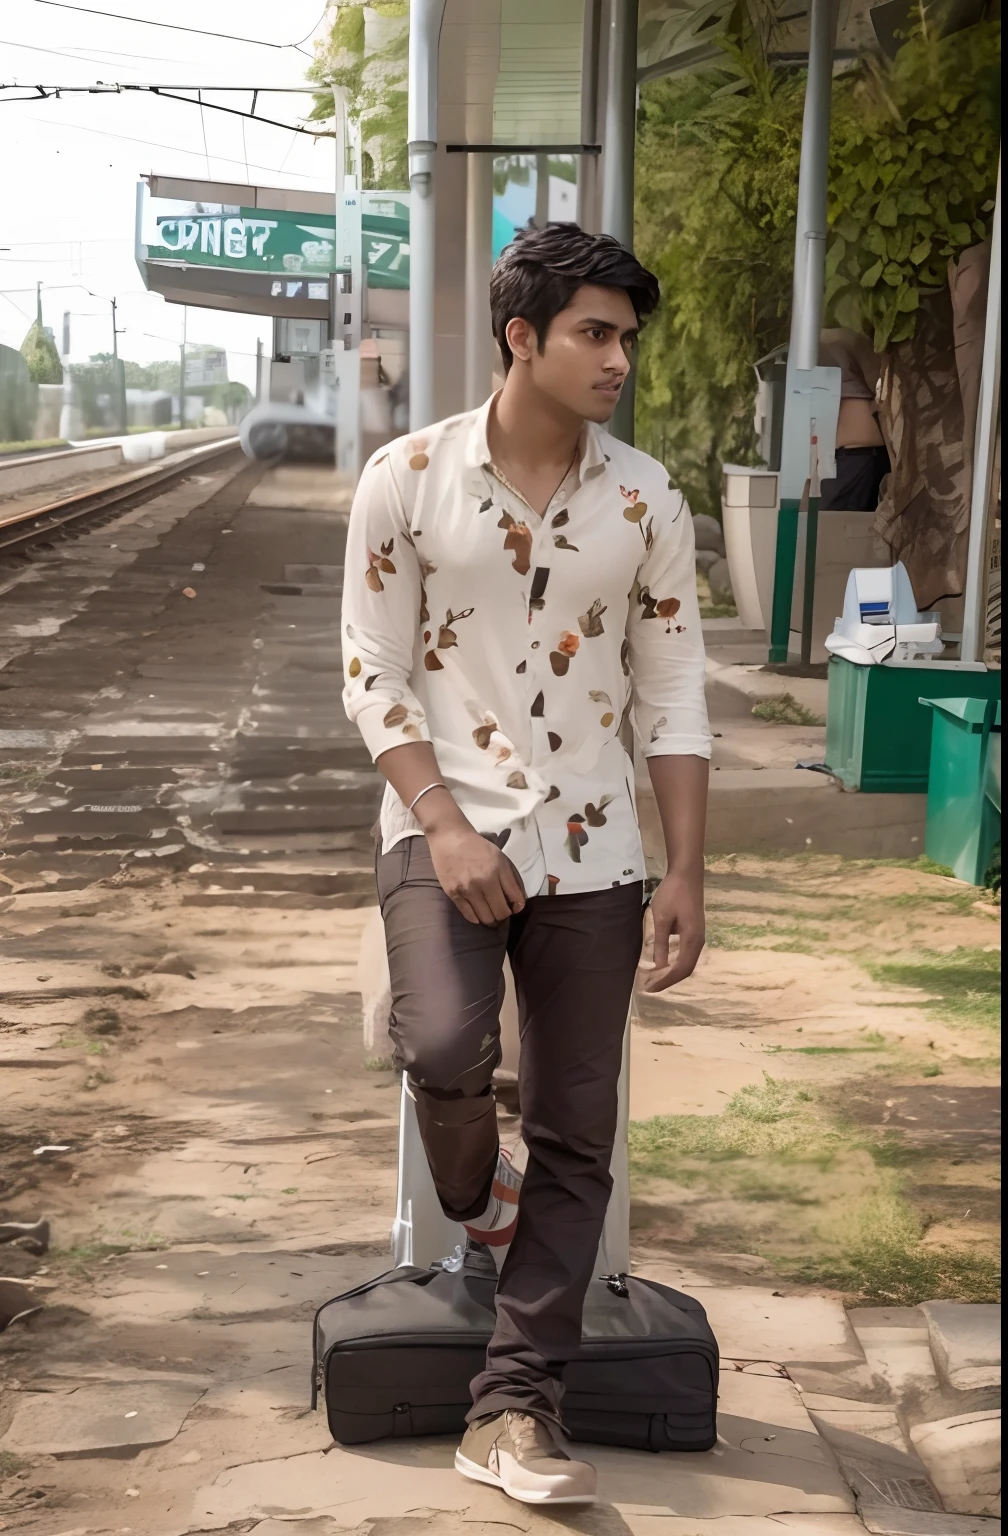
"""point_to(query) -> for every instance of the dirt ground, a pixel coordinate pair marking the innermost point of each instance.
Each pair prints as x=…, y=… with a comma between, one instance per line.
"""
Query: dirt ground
x=194, y=1126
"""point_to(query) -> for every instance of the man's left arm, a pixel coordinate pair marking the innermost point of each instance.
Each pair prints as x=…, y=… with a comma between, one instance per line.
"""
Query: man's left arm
x=670, y=711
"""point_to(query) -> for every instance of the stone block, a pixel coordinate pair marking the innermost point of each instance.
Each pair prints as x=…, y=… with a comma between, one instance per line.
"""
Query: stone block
x=113, y=1418
x=965, y=1343
x=963, y=1458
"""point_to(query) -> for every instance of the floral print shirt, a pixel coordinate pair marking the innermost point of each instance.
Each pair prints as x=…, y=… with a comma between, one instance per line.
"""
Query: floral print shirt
x=519, y=645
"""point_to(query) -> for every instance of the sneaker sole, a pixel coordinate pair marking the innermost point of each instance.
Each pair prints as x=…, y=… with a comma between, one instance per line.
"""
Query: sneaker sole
x=478, y=1474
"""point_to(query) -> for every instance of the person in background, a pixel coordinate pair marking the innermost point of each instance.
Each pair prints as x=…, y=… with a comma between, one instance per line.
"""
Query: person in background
x=862, y=460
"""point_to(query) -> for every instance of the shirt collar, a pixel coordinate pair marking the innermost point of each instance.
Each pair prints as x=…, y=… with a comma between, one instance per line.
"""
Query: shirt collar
x=591, y=457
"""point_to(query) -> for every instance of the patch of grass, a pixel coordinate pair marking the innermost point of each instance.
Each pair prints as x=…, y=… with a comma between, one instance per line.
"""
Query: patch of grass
x=784, y=709
x=96, y=1079
x=964, y=986
x=762, y=1117
x=34, y=443
x=291, y=1190
x=9, y=1463
x=821, y=1050
x=922, y=862
x=887, y=1264
x=932, y=1070
x=103, y=1021
x=240, y=1197
x=379, y=1064
x=780, y=1174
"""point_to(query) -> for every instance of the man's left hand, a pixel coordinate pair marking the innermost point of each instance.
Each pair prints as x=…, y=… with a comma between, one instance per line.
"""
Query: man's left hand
x=677, y=906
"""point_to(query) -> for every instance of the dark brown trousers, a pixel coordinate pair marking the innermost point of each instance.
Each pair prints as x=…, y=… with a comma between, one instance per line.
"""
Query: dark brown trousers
x=573, y=959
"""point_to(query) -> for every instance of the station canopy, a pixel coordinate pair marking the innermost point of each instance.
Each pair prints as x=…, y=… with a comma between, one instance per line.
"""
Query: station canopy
x=266, y=250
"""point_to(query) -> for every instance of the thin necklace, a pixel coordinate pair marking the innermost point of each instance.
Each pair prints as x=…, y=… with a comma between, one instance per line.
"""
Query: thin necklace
x=511, y=487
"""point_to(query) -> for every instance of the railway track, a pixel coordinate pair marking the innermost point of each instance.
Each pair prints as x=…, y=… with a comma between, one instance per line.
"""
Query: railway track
x=61, y=518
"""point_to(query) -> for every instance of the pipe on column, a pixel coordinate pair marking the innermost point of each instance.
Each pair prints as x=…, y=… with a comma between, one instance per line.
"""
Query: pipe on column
x=806, y=312
x=425, y=18
x=618, y=164
x=810, y=227
x=479, y=342
x=974, y=615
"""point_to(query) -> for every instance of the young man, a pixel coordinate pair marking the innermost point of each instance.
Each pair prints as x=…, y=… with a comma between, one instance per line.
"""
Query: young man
x=517, y=582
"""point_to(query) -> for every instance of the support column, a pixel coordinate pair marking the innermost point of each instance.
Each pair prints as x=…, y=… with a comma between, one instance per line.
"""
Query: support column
x=806, y=300
x=587, y=171
x=618, y=165
x=479, y=341
x=425, y=20
x=974, y=615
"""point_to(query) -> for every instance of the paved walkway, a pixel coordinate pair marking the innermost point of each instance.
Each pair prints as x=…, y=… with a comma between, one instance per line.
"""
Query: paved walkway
x=187, y=1103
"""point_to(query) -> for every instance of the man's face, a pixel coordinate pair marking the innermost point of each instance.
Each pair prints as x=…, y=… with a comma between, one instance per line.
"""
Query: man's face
x=587, y=353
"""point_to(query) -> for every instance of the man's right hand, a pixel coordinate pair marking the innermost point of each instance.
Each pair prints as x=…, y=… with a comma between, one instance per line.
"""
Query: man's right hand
x=475, y=874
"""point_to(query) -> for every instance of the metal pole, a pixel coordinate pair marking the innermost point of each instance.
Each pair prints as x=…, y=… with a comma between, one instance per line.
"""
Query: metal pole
x=618, y=166
x=426, y=17
x=181, y=385
x=974, y=616
x=587, y=211
x=479, y=342
x=806, y=304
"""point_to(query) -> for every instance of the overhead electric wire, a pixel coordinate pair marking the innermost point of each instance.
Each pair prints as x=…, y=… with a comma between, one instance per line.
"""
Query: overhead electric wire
x=172, y=26
x=167, y=93
x=130, y=138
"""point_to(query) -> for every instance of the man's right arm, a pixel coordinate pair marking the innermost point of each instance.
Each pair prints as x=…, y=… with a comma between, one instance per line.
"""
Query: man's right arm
x=381, y=620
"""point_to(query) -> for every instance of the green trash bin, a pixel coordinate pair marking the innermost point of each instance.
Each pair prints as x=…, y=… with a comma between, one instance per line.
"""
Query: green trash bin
x=963, y=822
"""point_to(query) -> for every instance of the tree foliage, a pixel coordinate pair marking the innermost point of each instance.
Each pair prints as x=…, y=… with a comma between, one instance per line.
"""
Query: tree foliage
x=717, y=180
x=913, y=166
x=39, y=351
x=366, y=57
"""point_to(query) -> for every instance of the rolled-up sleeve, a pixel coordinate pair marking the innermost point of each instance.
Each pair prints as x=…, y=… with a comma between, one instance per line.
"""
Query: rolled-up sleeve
x=666, y=650
x=382, y=599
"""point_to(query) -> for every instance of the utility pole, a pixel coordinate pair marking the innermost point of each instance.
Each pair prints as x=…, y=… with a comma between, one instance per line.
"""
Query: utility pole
x=181, y=382
x=119, y=374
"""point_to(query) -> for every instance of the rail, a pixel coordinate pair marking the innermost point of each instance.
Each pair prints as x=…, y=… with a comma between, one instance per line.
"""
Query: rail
x=32, y=525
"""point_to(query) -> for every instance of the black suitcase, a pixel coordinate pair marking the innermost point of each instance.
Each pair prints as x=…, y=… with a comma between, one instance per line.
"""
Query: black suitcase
x=395, y=1358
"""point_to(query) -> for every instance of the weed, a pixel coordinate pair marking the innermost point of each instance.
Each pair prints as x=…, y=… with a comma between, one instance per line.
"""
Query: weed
x=291, y=1190
x=9, y=1464
x=95, y=1080
x=784, y=709
x=379, y=1064
x=932, y=1070
x=238, y=1197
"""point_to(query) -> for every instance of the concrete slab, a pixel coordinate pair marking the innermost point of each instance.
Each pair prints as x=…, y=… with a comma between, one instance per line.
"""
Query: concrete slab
x=885, y=1521
x=873, y=1423
x=965, y=1343
x=751, y=1323
x=896, y=1346
x=114, y=1419
x=769, y=1461
x=963, y=1458
x=600, y=1521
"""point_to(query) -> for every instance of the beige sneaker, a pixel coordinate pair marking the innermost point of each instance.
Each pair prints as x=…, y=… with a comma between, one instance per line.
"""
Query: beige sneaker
x=520, y=1454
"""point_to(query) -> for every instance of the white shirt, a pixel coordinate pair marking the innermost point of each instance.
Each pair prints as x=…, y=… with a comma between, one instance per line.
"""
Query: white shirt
x=515, y=643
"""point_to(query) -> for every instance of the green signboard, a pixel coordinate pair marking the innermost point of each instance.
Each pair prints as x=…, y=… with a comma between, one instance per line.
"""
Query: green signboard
x=269, y=240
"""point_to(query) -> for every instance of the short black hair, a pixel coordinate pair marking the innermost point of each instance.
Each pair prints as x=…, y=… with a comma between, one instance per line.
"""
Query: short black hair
x=538, y=274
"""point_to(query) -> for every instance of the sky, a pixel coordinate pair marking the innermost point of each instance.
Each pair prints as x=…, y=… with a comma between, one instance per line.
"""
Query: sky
x=69, y=168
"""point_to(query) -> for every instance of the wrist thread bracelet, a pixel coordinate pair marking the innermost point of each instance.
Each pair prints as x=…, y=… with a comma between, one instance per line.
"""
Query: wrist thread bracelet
x=438, y=784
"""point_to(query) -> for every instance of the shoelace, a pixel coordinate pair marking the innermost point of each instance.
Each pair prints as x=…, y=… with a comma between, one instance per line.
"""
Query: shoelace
x=529, y=1436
